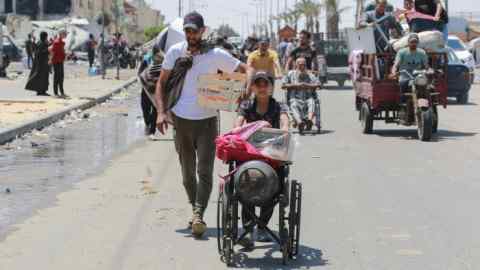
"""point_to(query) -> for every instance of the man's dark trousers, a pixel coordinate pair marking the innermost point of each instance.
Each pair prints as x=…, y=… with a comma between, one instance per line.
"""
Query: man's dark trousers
x=195, y=145
x=58, y=78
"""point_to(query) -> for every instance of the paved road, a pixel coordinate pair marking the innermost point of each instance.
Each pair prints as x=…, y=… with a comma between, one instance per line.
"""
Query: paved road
x=381, y=201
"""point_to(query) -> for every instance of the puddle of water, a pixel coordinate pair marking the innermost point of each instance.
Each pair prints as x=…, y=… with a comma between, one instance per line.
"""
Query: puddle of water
x=40, y=165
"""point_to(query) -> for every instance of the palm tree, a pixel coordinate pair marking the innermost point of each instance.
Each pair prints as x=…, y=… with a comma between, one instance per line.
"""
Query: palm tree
x=295, y=15
x=311, y=10
x=333, y=16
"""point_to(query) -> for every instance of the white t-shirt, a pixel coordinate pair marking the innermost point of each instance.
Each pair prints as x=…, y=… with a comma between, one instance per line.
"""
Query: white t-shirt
x=209, y=63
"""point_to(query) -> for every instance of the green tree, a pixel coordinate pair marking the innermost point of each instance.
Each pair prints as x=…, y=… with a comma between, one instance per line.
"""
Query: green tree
x=152, y=32
x=311, y=10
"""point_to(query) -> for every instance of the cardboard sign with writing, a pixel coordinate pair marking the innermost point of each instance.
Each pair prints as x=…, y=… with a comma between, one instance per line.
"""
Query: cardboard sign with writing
x=221, y=91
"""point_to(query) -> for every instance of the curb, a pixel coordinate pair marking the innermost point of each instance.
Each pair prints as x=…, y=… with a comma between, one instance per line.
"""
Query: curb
x=12, y=133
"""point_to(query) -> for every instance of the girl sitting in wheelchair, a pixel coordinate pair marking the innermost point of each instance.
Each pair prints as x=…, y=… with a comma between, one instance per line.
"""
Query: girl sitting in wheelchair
x=262, y=107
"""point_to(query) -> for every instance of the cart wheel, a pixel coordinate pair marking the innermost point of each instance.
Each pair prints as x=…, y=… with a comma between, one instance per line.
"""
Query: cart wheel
x=284, y=237
x=435, y=120
x=295, y=217
x=425, y=125
x=366, y=118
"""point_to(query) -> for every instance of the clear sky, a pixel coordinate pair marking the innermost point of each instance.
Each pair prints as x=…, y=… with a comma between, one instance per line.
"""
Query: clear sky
x=217, y=12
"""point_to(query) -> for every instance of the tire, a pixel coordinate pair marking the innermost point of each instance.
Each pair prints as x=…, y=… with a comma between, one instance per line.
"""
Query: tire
x=220, y=222
x=463, y=99
x=425, y=125
x=284, y=236
x=294, y=218
x=366, y=119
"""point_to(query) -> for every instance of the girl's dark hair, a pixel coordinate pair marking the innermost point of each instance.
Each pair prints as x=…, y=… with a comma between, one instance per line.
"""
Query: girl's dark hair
x=306, y=33
x=43, y=36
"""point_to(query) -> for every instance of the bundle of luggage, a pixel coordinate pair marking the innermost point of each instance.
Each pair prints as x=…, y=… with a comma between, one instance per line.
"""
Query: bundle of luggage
x=430, y=41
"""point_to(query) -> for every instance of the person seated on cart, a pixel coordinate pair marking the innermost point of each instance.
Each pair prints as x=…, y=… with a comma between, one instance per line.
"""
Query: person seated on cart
x=409, y=59
x=385, y=26
x=301, y=86
x=373, y=4
x=262, y=107
x=437, y=10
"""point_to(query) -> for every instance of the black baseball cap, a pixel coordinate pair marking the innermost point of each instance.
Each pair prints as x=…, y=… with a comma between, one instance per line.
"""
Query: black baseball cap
x=193, y=20
x=264, y=40
x=262, y=75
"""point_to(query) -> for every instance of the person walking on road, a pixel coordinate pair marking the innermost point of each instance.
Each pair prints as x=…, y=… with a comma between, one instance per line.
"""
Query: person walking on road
x=148, y=73
x=195, y=127
x=265, y=59
x=304, y=50
x=91, y=46
x=38, y=79
x=58, y=58
x=30, y=50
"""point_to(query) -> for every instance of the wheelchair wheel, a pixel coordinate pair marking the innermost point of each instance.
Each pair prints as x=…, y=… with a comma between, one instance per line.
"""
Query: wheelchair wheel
x=227, y=228
x=295, y=217
x=284, y=236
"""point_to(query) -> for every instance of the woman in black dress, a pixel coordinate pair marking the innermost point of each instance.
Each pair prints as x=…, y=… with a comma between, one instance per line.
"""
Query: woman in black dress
x=38, y=79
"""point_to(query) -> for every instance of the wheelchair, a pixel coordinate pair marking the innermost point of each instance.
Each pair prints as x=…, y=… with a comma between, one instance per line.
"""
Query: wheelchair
x=317, y=113
x=255, y=183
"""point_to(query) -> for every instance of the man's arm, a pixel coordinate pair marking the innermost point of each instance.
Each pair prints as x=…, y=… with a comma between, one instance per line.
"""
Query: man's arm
x=243, y=68
x=365, y=21
x=284, y=122
x=438, y=14
x=162, y=118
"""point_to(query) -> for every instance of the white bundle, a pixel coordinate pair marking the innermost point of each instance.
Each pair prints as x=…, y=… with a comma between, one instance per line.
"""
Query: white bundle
x=431, y=41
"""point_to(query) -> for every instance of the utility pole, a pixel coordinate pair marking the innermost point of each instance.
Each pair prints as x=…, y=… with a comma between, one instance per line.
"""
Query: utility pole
x=3, y=72
x=118, y=36
x=180, y=8
x=102, y=46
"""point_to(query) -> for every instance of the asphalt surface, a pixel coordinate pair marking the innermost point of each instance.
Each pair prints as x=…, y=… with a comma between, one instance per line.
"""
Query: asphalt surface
x=380, y=201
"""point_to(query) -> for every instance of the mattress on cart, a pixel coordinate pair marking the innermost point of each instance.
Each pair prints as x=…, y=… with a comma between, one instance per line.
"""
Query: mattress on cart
x=431, y=41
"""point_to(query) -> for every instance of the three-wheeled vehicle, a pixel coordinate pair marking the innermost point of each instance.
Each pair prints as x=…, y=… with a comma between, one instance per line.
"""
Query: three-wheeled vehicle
x=378, y=97
x=332, y=54
x=257, y=181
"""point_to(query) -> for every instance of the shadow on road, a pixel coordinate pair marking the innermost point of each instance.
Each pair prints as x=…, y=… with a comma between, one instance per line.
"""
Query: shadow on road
x=314, y=133
x=308, y=257
x=411, y=134
x=452, y=102
x=210, y=232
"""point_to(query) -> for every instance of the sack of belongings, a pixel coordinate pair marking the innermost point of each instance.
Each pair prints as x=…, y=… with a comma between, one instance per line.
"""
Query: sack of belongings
x=431, y=41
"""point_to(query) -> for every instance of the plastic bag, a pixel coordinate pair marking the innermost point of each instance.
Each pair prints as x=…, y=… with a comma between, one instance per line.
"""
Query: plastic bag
x=273, y=143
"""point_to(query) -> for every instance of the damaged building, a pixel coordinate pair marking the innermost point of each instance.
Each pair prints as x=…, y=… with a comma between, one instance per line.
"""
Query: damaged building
x=37, y=9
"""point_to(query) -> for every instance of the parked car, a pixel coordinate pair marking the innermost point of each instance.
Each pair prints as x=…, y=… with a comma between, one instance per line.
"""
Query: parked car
x=458, y=77
x=463, y=54
x=11, y=50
